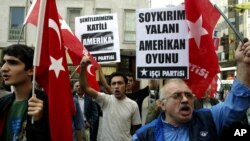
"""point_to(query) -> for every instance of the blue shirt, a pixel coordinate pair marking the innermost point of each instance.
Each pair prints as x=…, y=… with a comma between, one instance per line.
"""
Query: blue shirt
x=224, y=113
x=78, y=122
x=172, y=133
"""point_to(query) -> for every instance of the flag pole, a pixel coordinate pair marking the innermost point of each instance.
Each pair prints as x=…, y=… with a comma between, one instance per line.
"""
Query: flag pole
x=20, y=34
x=230, y=24
x=73, y=73
x=37, y=53
x=26, y=18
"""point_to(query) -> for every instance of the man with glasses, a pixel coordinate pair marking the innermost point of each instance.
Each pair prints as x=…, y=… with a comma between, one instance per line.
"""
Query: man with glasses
x=180, y=122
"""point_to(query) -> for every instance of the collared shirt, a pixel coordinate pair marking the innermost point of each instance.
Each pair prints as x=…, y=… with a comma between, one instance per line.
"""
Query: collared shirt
x=172, y=133
x=207, y=104
x=81, y=102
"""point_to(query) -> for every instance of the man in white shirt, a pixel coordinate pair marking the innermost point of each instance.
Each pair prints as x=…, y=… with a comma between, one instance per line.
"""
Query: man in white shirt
x=120, y=114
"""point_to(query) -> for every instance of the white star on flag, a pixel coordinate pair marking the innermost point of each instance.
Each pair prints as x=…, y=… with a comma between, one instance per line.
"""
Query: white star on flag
x=144, y=72
x=64, y=25
x=56, y=65
x=196, y=30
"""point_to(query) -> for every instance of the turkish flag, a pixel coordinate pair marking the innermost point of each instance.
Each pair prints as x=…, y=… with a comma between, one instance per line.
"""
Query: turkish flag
x=91, y=77
x=32, y=14
x=216, y=43
x=73, y=46
x=214, y=86
x=201, y=18
x=52, y=74
x=76, y=50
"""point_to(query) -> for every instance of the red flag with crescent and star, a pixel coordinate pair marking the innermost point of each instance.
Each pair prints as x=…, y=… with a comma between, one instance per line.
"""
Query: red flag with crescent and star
x=201, y=18
x=52, y=74
x=73, y=46
x=76, y=50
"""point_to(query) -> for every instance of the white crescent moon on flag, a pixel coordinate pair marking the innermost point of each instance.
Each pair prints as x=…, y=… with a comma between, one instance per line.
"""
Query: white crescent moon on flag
x=89, y=69
x=53, y=25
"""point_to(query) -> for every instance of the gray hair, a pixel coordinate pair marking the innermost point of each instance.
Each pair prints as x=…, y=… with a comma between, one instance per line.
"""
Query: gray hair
x=163, y=90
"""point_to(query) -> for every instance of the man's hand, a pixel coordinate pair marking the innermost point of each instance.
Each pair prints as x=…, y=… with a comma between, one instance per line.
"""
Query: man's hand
x=85, y=61
x=35, y=108
x=242, y=53
x=242, y=56
x=87, y=124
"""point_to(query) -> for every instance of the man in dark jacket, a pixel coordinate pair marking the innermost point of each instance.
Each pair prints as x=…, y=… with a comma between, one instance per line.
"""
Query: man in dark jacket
x=180, y=122
x=89, y=111
x=206, y=101
x=22, y=115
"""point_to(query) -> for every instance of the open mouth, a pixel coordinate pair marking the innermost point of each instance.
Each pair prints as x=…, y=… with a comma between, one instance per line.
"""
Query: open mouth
x=185, y=110
x=117, y=92
x=5, y=77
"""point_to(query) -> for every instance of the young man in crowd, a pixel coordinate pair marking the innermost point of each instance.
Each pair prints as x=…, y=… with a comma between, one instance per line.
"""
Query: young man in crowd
x=120, y=114
x=131, y=83
x=22, y=115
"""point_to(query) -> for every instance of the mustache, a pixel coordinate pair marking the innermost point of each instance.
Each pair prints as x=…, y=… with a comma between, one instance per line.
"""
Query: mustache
x=185, y=107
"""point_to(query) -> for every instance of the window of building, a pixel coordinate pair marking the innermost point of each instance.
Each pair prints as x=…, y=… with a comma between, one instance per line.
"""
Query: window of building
x=16, y=22
x=72, y=13
x=102, y=11
x=124, y=65
x=129, y=25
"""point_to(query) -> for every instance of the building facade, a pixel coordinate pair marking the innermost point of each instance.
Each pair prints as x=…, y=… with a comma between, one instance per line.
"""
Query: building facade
x=16, y=10
x=229, y=40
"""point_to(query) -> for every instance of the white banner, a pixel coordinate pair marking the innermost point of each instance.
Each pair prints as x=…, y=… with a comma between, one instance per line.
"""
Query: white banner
x=162, y=43
x=99, y=35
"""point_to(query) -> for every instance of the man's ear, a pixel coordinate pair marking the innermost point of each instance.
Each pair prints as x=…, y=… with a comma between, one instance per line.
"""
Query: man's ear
x=30, y=71
x=163, y=106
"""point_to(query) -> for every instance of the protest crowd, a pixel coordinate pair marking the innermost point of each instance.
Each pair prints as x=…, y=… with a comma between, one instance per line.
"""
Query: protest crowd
x=39, y=102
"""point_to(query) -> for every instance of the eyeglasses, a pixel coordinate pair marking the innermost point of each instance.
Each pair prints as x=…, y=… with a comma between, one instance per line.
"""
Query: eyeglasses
x=179, y=96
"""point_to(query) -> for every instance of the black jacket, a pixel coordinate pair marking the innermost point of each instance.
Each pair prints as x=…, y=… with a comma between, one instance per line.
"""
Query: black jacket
x=39, y=130
x=198, y=103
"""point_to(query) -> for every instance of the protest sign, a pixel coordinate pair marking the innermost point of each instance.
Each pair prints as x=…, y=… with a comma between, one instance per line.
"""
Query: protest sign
x=99, y=35
x=162, y=43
